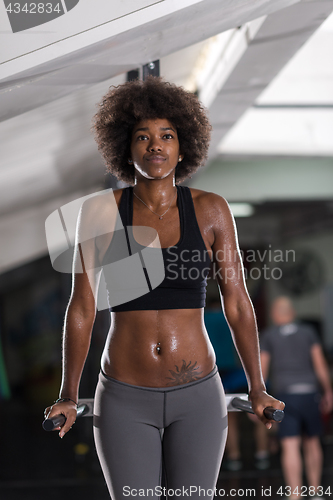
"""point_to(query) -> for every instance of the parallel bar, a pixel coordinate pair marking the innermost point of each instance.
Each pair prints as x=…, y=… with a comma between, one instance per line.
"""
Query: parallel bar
x=84, y=409
x=235, y=402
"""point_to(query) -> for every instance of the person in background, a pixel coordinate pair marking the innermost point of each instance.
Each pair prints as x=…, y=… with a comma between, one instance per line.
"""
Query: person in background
x=232, y=375
x=234, y=381
x=299, y=370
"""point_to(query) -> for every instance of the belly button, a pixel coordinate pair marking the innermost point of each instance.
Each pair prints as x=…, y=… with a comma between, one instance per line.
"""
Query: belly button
x=158, y=349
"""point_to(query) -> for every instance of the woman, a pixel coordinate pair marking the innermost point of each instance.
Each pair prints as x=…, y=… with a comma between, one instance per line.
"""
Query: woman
x=159, y=401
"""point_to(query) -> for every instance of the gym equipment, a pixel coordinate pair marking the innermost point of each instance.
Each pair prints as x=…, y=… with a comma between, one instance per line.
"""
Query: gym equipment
x=235, y=402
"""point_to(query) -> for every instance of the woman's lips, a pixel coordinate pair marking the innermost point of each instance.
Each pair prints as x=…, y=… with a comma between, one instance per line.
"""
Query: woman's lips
x=155, y=159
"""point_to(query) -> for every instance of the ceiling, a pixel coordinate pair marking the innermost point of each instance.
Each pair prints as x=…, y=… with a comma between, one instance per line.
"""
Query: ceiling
x=297, y=104
x=51, y=77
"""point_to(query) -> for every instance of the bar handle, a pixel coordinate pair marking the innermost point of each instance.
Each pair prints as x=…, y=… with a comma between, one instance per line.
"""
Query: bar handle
x=52, y=423
x=269, y=412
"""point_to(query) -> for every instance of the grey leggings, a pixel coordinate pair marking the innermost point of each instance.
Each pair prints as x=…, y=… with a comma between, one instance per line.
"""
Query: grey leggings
x=141, y=431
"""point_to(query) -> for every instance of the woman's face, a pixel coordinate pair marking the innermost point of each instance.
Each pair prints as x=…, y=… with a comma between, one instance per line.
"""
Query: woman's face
x=155, y=148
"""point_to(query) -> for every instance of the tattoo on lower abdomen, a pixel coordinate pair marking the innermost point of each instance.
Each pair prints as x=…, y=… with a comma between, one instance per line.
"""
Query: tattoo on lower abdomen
x=186, y=373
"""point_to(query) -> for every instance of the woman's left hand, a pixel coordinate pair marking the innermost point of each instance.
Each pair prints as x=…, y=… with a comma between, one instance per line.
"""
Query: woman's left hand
x=261, y=400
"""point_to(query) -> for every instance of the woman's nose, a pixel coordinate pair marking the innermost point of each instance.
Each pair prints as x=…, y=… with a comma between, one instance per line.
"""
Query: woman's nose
x=154, y=145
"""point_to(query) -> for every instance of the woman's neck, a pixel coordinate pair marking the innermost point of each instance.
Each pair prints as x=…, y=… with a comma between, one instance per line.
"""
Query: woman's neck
x=156, y=194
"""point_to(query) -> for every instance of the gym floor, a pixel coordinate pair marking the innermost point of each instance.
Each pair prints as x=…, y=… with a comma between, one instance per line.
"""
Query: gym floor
x=38, y=465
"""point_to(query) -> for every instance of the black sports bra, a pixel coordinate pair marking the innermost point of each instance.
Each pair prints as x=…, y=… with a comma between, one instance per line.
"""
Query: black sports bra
x=186, y=264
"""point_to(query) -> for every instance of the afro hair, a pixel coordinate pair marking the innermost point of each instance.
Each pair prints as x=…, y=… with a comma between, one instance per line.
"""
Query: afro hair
x=127, y=104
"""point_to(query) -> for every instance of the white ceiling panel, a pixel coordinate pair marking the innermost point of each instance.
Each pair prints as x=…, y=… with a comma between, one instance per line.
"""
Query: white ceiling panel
x=105, y=51
x=294, y=114
x=281, y=131
x=308, y=77
x=88, y=23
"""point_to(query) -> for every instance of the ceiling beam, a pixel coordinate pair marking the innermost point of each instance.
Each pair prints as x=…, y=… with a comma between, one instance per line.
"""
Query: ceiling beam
x=101, y=52
x=274, y=43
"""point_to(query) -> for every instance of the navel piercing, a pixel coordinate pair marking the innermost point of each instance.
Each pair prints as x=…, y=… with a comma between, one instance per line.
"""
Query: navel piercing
x=158, y=349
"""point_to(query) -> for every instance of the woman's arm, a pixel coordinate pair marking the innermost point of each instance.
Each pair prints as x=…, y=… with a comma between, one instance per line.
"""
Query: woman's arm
x=79, y=320
x=237, y=305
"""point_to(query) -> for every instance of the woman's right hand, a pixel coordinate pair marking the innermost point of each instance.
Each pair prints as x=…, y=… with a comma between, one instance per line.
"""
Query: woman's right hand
x=66, y=408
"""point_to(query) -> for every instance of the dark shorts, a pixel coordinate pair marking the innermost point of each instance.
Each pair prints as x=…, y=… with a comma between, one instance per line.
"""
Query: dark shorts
x=302, y=415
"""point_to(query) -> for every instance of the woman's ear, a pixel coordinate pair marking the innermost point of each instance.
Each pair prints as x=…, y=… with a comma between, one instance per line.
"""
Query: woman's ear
x=130, y=161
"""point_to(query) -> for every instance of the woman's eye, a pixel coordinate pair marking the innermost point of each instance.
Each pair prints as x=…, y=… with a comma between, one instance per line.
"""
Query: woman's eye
x=142, y=137
x=168, y=136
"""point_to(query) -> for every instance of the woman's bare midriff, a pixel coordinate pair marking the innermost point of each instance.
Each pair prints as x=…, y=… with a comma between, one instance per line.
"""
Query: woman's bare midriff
x=158, y=348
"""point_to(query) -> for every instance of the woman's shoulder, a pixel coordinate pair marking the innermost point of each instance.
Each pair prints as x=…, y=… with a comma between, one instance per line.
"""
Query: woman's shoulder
x=99, y=212
x=207, y=200
x=99, y=202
